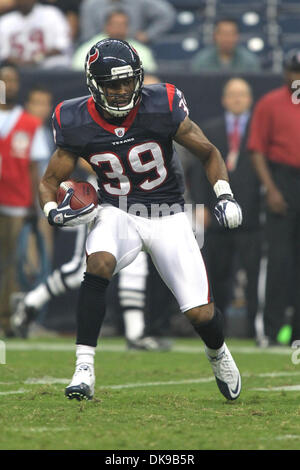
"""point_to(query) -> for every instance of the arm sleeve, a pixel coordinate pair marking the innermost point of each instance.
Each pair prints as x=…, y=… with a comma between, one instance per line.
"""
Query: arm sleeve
x=260, y=127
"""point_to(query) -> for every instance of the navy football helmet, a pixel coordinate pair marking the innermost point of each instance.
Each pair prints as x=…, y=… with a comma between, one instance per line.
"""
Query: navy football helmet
x=109, y=60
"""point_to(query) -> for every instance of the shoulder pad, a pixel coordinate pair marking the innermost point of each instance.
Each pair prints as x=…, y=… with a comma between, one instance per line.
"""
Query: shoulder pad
x=160, y=95
x=71, y=113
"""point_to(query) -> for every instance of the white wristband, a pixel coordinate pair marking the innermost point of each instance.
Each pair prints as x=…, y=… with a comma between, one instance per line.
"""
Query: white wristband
x=49, y=206
x=222, y=187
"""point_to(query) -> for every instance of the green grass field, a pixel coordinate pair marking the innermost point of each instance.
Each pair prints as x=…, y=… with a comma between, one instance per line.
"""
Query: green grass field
x=147, y=400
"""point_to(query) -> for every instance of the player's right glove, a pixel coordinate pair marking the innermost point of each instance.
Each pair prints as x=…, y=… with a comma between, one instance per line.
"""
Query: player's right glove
x=63, y=215
x=228, y=212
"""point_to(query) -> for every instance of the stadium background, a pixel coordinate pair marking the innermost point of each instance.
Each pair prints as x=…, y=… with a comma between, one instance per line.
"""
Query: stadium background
x=268, y=27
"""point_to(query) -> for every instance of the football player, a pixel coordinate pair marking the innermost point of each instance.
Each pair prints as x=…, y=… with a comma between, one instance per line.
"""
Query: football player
x=126, y=132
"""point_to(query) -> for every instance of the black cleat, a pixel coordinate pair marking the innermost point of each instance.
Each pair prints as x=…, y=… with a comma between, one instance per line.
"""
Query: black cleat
x=79, y=392
x=82, y=384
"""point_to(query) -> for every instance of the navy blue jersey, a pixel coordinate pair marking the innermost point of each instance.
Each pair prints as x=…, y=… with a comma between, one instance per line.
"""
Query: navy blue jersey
x=135, y=159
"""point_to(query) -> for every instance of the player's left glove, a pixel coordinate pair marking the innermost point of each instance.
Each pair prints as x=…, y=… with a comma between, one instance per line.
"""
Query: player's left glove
x=63, y=215
x=228, y=212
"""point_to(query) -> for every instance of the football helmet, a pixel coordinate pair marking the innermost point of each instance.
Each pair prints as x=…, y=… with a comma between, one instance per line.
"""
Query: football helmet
x=109, y=60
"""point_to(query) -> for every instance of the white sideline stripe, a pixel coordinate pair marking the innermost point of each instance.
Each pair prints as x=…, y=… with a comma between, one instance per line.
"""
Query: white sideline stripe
x=45, y=381
x=38, y=429
x=61, y=347
x=14, y=392
x=155, y=384
x=54, y=380
x=284, y=388
x=44, y=429
x=272, y=374
x=238, y=349
x=287, y=436
x=196, y=381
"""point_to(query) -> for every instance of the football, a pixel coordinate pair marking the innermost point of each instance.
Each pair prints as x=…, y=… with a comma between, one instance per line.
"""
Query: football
x=84, y=193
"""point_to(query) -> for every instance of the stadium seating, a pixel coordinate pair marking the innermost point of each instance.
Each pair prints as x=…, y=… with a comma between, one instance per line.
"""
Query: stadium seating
x=231, y=7
x=252, y=22
x=188, y=4
x=175, y=53
x=187, y=22
x=267, y=27
x=288, y=6
x=288, y=46
x=259, y=44
x=289, y=24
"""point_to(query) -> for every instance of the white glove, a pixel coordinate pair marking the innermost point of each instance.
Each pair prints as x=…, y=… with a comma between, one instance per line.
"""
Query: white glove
x=228, y=212
x=63, y=215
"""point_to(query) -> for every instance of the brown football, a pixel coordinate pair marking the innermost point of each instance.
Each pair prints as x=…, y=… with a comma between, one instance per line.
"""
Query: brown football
x=84, y=193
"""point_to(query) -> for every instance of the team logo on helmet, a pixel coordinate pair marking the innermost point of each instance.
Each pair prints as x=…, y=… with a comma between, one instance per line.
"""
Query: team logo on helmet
x=92, y=57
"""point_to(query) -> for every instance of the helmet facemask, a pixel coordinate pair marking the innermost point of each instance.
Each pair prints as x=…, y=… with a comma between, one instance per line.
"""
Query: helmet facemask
x=97, y=85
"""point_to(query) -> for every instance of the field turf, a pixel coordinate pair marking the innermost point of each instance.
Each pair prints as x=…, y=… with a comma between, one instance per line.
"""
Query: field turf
x=147, y=400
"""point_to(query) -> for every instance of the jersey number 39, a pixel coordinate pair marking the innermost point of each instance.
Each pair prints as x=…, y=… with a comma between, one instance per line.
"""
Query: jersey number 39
x=136, y=164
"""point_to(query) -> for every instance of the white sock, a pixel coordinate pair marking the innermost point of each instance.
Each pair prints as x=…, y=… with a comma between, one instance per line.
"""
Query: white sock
x=133, y=324
x=215, y=352
x=37, y=297
x=85, y=354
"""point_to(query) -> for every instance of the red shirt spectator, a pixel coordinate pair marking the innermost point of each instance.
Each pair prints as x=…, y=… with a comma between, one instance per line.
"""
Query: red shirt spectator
x=274, y=143
x=15, y=146
x=275, y=128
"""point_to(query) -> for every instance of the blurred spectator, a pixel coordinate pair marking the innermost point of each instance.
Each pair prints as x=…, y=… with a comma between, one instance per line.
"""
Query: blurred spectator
x=70, y=9
x=224, y=249
x=6, y=5
x=226, y=53
x=39, y=103
x=116, y=26
x=149, y=19
x=35, y=34
x=22, y=145
x=274, y=141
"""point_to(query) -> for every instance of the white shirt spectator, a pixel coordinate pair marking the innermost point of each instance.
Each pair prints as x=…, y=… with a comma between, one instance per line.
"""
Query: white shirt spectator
x=29, y=38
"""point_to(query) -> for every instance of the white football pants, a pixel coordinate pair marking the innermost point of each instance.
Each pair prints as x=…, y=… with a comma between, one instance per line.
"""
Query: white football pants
x=169, y=241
